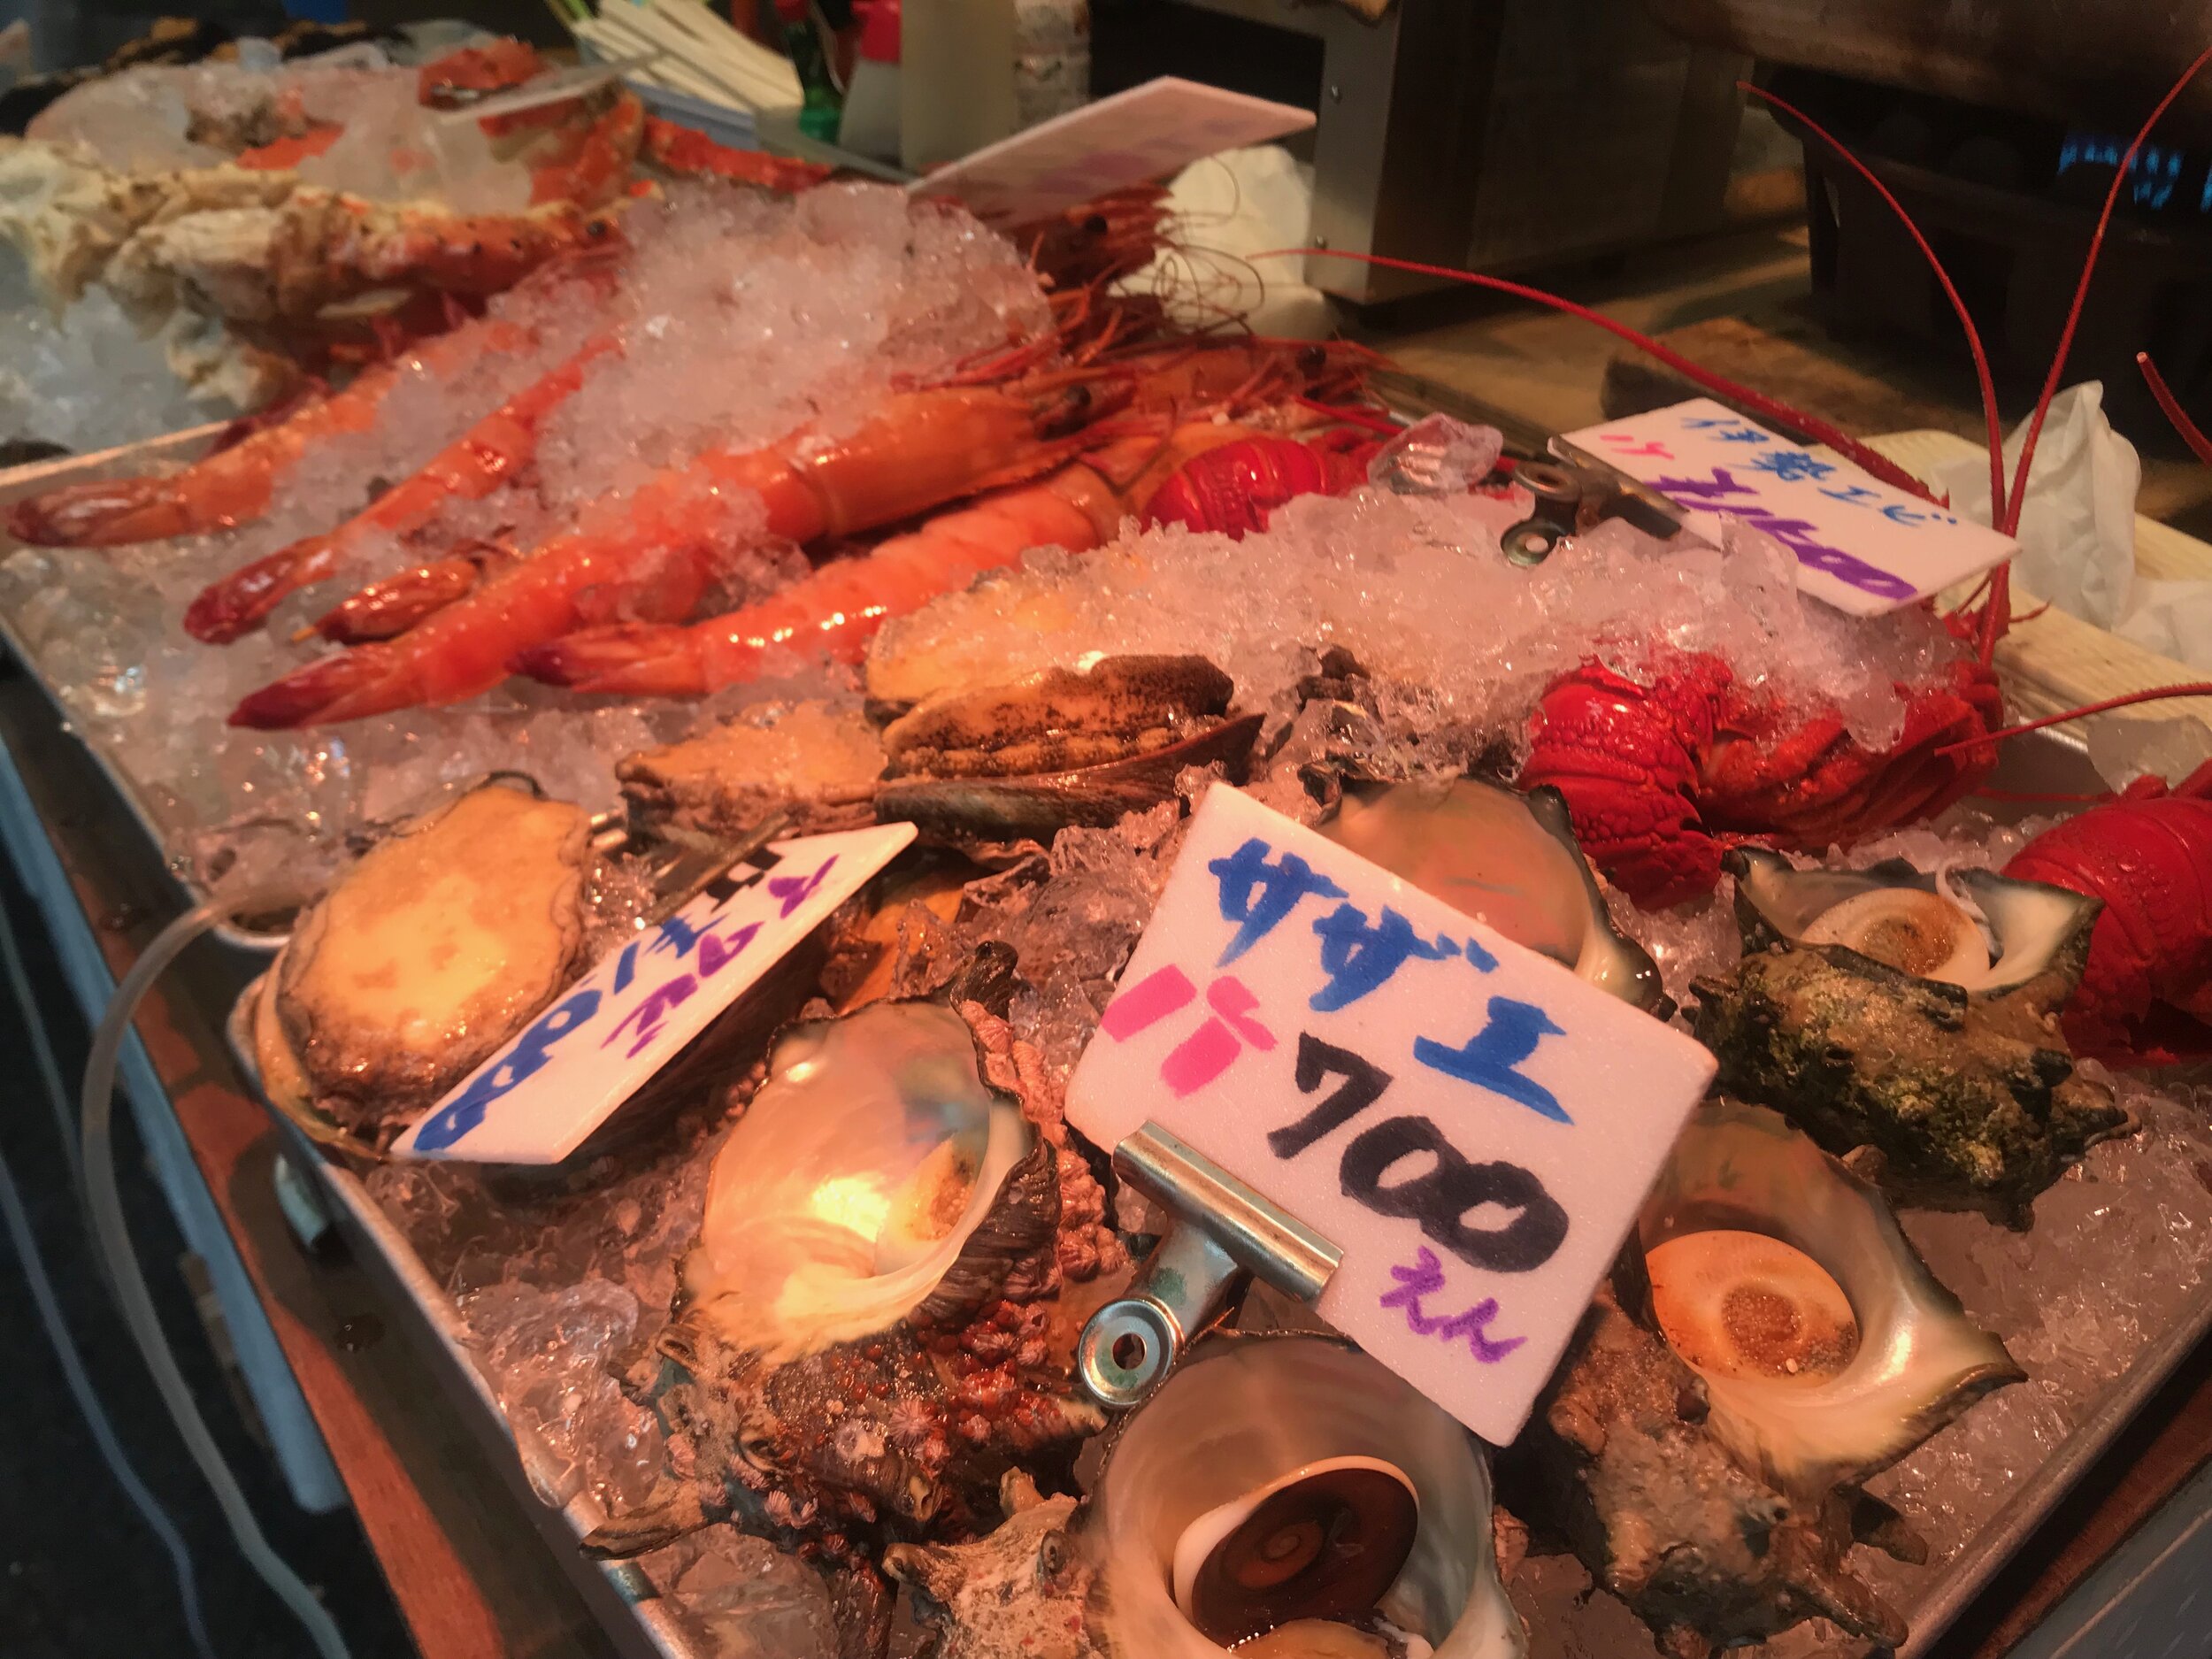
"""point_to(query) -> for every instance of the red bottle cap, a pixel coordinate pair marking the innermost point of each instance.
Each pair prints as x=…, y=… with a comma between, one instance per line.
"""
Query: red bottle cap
x=879, y=30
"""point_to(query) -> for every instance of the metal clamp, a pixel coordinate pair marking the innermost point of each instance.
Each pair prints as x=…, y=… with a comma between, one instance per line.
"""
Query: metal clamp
x=1224, y=1234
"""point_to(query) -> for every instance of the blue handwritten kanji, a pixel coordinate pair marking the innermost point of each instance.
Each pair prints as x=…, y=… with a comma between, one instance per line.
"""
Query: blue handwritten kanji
x=1791, y=465
x=1487, y=1059
x=1897, y=512
x=1359, y=956
x=625, y=967
x=1722, y=487
x=1853, y=495
x=796, y=890
x=1745, y=434
x=676, y=938
x=528, y=1056
x=1426, y=1278
x=1258, y=896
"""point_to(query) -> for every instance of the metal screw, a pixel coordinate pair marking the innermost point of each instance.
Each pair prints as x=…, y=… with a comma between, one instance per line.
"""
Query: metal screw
x=1318, y=241
x=1336, y=95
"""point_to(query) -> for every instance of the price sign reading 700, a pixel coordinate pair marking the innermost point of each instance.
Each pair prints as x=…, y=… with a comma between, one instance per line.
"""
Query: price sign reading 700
x=1472, y=1125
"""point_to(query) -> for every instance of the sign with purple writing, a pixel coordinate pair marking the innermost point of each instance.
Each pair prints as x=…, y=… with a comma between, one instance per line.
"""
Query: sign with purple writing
x=1862, y=546
x=1148, y=132
x=1470, y=1124
x=536, y=1100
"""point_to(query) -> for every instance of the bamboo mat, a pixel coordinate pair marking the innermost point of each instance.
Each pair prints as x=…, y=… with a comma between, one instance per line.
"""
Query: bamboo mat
x=2057, y=661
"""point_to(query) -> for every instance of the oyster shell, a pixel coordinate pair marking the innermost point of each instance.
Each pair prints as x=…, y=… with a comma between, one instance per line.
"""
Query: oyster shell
x=1507, y=858
x=1827, y=1349
x=815, y=763
x=873, y=1329
x=1066, y=746
x=1245, y=1417
x=1970, y=1097
x=1617, y=1460
x=1902, y=918
x=435, y=947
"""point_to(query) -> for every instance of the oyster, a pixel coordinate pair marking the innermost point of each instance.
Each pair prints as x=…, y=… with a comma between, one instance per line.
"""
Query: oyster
x=872, y=1330
x=1066, y=746
x=1969, y=1096
x=1617, y=1461
x=1507, y=858
x=1827, y=1349
x=439, y=944
x=1282, y=1493
x=817, y=763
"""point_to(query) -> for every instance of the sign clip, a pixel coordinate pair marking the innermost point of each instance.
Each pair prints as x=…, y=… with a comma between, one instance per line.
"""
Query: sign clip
x=1224, y=1233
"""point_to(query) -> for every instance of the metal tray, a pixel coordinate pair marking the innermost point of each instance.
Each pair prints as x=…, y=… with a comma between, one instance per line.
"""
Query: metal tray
x=624, y=1598
x=620, y=1597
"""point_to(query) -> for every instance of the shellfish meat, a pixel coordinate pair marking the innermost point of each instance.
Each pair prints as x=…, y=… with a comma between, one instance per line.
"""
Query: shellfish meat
x=1827, y=1349
x=1970, y=1097
x=435, y=947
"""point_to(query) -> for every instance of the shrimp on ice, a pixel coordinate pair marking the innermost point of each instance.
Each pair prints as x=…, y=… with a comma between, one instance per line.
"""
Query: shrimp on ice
x=836, y=610
x=234, y=486
x=654, y=555
x=480, y=461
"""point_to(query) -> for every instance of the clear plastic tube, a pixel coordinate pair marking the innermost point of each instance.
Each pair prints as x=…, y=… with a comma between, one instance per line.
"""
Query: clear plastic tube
x=129, y=1284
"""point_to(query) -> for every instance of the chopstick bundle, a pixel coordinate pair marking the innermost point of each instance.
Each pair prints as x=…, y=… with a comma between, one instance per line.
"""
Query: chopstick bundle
x=696, y=52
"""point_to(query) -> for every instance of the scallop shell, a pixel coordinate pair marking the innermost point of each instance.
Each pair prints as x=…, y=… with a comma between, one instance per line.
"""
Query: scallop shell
x=1805, y=1394
x=1507, y=858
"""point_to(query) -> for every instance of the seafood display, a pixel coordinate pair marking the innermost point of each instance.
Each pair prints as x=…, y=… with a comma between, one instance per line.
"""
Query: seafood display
x=769, y=513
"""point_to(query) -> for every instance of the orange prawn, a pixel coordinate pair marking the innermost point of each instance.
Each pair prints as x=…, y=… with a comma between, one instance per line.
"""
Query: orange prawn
x=480, y=460
x=234, y=486
x=655, y=554
x=835, y=611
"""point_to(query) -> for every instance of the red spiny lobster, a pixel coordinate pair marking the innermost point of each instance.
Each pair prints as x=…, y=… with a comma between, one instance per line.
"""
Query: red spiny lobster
x=2147, y=996
x=1233, y=489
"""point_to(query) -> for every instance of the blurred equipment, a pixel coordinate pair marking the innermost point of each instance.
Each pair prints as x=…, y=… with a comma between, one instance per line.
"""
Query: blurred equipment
x=1497, y=136
x=1999, y=128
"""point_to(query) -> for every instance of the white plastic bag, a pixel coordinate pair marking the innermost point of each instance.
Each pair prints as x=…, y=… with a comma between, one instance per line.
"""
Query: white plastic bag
x=2077, y=532
x=1228, y=208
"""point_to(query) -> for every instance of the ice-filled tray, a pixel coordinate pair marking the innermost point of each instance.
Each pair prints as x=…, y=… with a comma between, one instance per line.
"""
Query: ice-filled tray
x=2099, y=1300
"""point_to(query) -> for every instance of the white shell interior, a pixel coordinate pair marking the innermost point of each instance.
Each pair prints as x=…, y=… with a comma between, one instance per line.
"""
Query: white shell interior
x=846, y=1192
x=1204, y=1535
x=1239, y=1416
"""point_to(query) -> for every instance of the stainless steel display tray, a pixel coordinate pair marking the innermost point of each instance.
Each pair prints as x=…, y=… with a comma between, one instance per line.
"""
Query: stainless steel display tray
x=620, y=1594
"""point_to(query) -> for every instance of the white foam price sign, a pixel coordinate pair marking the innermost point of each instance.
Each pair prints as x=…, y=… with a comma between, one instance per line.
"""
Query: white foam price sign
x=1148, y=132
x=1862, y=546
x=1472, y=1125
x=536, y=1100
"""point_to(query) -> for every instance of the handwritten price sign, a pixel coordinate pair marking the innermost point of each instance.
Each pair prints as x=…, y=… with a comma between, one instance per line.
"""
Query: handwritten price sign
x=1862, y=546
x=536, y=1100
x=1470, y=1124
x=1148, y=132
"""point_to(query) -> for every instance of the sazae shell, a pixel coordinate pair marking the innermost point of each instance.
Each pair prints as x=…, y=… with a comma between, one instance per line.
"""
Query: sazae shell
x=1257, y=1455
x=1828, y=1349
x=1505, y=857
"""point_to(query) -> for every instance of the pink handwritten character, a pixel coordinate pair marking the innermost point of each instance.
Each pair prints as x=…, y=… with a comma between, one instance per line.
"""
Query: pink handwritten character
x=1624, y=443
x=1207, y=1052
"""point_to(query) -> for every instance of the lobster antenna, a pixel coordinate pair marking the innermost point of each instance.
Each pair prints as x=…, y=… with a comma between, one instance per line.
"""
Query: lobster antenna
x=2191, y=433
x=2192, y=688
x=1950, y=290
x=1880, y=465
x=2010, y=524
